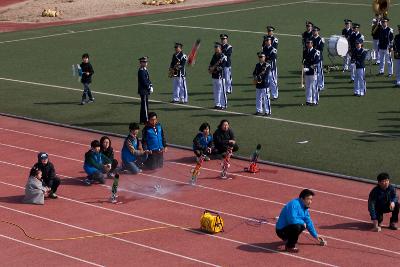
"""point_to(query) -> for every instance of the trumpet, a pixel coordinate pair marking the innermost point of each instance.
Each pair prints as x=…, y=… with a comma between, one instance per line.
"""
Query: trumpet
x=259, y=78
x=174, y=72
x=216, y=67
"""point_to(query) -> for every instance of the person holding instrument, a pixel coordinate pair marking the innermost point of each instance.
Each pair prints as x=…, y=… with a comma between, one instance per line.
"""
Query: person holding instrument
x=261, y=80
x=270, y=53
x=311, y=58
x=178, y=74
x=358, y=57
x=216, y=69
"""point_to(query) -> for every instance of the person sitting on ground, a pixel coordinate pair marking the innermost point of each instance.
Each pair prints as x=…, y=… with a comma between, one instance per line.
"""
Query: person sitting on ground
x=223, y=138
x=294, y=219
x=153, y=139
x=96, y=165
x=132, y=153
x=383, y=199
x=203, y=142
x=49, y=177
x=107, y=150
x=34, y=189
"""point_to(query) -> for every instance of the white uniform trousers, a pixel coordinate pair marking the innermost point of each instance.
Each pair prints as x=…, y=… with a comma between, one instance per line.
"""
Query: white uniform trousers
x=220, y=99
x=228, y=79
x=397, y=64
x=375, y=51
x=312, y=93
x=346, y=61
x=352, y=71
x=320, y=76
x=273, y=81
x=360, y=86
x=385, y=56
x=179, y=89
x=262, y=100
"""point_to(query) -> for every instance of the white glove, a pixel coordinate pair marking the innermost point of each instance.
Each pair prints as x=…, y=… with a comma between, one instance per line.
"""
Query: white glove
x=151, y=89
x=306, y=69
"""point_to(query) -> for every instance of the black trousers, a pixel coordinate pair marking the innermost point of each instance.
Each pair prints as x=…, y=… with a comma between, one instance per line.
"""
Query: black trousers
x=114, y=165
x=395, y=213
x=198, y=151
x=144, y=108
x=52, y=183
x=290, y=234
x=155, y=160
x=223, y=149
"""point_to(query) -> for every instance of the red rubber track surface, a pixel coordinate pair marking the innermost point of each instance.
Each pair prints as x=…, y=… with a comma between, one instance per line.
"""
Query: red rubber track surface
x=339, y=211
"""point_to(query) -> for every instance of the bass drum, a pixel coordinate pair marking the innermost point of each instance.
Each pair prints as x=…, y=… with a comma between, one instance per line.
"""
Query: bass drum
x=337, y=46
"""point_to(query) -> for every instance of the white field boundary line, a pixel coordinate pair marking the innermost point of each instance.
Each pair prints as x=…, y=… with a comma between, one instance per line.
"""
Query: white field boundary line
x=201, y=186
x=155, y=21
x=340, y=3
x=195, y=231
x=98, y=233
x=160, y=222
x=209, y=109
x=191, y=166
x=50, y=250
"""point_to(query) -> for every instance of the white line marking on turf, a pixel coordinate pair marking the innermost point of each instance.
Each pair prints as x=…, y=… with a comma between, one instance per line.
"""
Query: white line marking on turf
x=203, y=168
x=208, y=109
x=50, y=250
x=339, y=3
x=97, y=233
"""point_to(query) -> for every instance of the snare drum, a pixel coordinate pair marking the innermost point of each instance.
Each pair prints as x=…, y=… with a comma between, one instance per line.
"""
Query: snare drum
x=337, y=46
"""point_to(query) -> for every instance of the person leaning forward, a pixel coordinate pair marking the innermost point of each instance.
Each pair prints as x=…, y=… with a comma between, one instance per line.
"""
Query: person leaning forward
x=145, y=88
x=383, y=199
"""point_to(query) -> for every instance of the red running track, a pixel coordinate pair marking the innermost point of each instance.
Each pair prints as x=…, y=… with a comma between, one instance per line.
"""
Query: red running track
x=339, y=211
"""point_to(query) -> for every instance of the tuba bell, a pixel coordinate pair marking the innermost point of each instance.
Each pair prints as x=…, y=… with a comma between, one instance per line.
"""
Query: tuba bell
x=381, y=7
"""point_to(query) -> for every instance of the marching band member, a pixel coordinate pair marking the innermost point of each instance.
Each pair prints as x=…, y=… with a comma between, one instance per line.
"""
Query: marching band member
x=307, y=34
x=318, y=43
x=145, y=88
x=270, y=53
x=227, y=51
x=358, y=57
x=376, y=27
x=270, y=33
x=354, y=36
x=346, y=32
x=178, y=74
x=385, y=47
x=216, y=67
x=396, y=48
x=261, y=79
x=311, y=58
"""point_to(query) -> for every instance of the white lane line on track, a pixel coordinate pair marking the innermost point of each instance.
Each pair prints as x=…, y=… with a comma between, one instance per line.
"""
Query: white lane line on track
x=201, y=186
x=191, y=166
x=186, y=204
x=50, y=250
x=95, y=232
x=208, y=109
x=163, y=223
x=155, y=21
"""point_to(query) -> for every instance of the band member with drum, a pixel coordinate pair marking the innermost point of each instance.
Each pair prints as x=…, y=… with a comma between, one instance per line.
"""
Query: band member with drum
x=375, y=31
x=358, y=57
x=385, y=47
x=216, y=67
x=227, y=51
x=270, y=54
x=145, y=88
x=346, y=32
x=318, y=43
x=311, y=59
x=354, y=36
x=307, y=34
x=178, y=74
x=396, y=49
x=261, y=80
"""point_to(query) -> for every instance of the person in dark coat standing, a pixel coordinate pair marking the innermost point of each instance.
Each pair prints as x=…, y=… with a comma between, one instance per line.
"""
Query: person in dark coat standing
x=145, y=88
x=49, y=177
x=223, y=138
x=86, y=79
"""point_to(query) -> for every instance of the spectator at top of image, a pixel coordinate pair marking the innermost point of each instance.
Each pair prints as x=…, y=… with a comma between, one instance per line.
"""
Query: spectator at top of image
x=107, y=150
x=203, y=142
x=153, y=138
x=34, y=189
x=49, y=176
x=224, y=137
x=97, y=166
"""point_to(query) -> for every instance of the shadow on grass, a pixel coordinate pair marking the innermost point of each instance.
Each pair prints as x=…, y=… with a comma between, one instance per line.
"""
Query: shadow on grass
x=77, y=103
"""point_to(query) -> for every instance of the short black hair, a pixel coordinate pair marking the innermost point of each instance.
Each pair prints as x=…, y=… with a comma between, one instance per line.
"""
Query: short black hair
x=204, y=126
x=222, y=122
x=134, y=126
x=383, y=176
x=305, y=193
x=34, y=171
x=95, y=143
x=86, y=55
x=151, y=115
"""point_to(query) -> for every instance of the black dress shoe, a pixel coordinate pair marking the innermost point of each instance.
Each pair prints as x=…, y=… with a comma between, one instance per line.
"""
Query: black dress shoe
x=351, y=81
x=267, y=114
x=308, y=104
x=258, y=114
x=380, y=74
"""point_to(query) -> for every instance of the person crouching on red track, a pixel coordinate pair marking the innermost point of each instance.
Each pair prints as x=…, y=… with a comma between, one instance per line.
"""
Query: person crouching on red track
x=96, y=165
x=383, y=199
x=107, y=150
x=203, y=142
x=49, y=177
x=294, y=219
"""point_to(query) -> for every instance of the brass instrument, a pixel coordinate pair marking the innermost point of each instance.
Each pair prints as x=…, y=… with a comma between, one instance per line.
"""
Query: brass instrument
x=174, y=72
x=215, y=67
x=258, y=78
x=381, y=7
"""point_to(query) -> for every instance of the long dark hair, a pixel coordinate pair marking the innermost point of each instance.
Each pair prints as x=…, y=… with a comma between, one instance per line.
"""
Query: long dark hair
x=34, y=171
x=204, y=126
x=222, y=122
x=101, y=143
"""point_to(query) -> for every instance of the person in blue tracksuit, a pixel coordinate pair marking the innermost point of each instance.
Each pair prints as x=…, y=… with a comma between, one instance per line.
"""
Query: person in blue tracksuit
x=96, y=165
x=153, y=139
x=294, y=219
x=203, y=142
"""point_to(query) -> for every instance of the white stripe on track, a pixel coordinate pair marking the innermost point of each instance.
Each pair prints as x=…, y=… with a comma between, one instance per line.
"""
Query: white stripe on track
x=50, y=250
x=202, y=208
x=212, y=110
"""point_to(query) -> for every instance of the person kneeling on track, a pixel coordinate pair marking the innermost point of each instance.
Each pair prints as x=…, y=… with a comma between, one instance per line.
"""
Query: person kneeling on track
x=107, y=150
x=96, y=165
x=383, y=199
x=132, y=153
x=294, y=219
x=203, y=142
x=49, y=177
x=223, y=138
x=34, y=189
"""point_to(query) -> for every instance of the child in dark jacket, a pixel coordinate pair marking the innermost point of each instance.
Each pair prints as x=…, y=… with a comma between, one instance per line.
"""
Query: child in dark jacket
x=107, y=150
x=203, y=142
x=49, y=178
x=96, y=164
x=86, y=79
